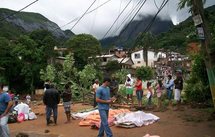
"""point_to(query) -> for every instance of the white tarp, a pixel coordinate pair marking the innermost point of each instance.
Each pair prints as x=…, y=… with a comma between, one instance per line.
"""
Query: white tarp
x=24, y=108
x=83, y=115
x=138, y=119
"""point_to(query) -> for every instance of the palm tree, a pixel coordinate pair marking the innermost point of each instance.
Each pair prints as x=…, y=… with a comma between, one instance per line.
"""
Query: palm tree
x=145, y=41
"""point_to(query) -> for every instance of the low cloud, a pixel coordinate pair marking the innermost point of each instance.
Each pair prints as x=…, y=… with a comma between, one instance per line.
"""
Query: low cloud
x=98, y=22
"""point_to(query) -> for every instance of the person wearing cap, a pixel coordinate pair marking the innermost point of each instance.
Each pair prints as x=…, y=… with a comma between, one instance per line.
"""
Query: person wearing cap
x=104, y=100
x=95, y=86
x=178, y=88
x=129, y=88
x=5, y=106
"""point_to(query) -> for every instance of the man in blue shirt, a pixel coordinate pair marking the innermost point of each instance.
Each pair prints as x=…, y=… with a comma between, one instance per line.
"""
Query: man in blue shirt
x=103, y=99
x=5, y=106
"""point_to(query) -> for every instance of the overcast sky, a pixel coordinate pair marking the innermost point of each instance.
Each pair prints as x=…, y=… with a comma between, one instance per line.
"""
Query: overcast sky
x=98, y=22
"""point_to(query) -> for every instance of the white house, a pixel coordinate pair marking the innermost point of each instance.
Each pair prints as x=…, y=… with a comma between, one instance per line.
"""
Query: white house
x=106, y=58
x=125, y=62
x=137, y=58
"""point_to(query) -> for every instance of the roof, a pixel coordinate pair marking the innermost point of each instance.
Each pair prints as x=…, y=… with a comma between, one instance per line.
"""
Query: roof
x=124, y=60
x=106, y=56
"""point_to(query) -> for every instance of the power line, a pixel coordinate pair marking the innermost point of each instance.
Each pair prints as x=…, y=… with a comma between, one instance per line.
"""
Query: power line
x=117, y=19
x=156, y=4
x=83, y=15
x=141, y=22
x=18, y=11
x=79, y=17
x=120, y=6
x=153, y=20
x=127, y=16
x=94, y=19
x=132, y=18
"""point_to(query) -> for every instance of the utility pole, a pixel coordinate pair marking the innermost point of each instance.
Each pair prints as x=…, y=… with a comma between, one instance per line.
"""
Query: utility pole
x=206, y=43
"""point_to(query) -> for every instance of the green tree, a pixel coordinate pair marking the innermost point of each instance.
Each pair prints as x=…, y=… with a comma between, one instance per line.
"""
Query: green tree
x=48, y=74
x=120, y=75
x=69, y=73
x=145, y=73
x=46, y=42
x=112, y=66
x=31, y=60
x=5, y=58
x=87, y=75
x=83, y=46
x=145, y=41
x=197, y=88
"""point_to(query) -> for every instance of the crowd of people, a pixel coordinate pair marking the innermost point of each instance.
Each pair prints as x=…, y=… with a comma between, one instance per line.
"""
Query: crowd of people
x=104, y=95
x=162, y=87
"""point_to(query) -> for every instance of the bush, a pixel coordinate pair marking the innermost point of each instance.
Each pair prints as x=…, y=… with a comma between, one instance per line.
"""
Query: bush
x=197, y=89
x=120, y=75
x=145, y=73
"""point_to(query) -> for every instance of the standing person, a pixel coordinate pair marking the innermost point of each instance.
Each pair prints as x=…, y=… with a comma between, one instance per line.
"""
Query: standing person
x=149, y=94
x=158, y=90
x=129, y=88
x=46, y=85
x=103, y=99
x=95, y=87
x=114, y=86
x=16, y=99
x=67, y=98
x=178, y=88
x=169, y=87
x=10, y=93
x=51, y=99
x=28, y=99
x=5, y=105
x=139, y=91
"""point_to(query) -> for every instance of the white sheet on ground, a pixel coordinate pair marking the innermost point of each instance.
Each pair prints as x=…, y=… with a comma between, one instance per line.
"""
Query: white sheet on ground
x=138, y=118
x=83, y=115
x=22, y=108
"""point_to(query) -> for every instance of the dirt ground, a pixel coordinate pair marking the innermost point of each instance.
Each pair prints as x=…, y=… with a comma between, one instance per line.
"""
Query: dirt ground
x=187, y=123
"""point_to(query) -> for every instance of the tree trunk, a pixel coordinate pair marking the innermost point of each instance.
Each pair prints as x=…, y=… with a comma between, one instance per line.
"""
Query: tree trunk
x=32, y=86
x=145, y=55
x=206, y=45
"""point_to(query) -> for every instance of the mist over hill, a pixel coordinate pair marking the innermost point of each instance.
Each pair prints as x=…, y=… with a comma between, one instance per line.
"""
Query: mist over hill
x=128, y=35
x=24, y=22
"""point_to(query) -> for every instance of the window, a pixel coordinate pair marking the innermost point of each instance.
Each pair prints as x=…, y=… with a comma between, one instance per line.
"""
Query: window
x=136, y=56
x=138, y=62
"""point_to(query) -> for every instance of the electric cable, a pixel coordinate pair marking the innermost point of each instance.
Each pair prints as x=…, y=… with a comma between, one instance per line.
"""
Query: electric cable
x=79, y=17
x=132, y=19
x=127, y=16
x=18, y=11
x=116, y=19
x=153, y=20
x=129, y=36
x=83, y=14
